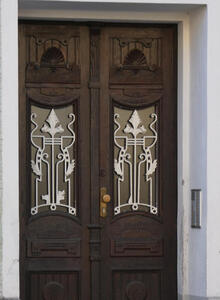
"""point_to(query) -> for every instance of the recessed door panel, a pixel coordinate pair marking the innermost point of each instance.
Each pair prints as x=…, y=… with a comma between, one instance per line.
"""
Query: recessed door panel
x=54, y=285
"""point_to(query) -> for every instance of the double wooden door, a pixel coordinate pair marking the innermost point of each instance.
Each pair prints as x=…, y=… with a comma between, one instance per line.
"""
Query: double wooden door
x=98, y=176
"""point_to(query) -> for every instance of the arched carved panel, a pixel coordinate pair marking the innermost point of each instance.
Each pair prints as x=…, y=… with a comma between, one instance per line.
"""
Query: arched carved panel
x=52, y=96
x=56, y=236
x=137, y=98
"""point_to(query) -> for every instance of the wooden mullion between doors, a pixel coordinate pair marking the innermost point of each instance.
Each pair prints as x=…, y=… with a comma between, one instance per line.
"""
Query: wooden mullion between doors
x=84, y=150
x=105, y=159
x=94, y=227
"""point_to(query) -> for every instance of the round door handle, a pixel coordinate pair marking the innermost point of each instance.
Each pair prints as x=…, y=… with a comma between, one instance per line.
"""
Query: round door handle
x=106, y=198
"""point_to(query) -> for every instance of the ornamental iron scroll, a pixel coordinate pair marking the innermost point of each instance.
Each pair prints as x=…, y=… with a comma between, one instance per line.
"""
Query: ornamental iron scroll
x=53, y=165
x=135, y=161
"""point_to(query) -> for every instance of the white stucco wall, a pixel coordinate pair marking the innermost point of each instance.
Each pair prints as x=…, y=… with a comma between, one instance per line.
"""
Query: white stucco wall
x=198, y=126
x=0, y=168
x=213, y=150
x=197, y=148
x=9, y=146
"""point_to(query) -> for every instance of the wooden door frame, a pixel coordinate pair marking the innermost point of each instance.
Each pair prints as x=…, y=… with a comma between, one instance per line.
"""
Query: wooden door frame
x=94, y=87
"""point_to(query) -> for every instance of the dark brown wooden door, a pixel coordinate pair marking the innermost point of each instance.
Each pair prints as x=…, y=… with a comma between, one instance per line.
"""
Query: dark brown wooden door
x=138, y=163
x=97, y=123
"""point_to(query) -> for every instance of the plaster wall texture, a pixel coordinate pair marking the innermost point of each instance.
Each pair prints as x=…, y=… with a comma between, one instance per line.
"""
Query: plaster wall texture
x=197, y=270
x=213, y=150
x=9, y=128
x=198, y=126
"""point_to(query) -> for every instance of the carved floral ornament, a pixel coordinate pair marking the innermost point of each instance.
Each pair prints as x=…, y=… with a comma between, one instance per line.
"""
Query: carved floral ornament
x=135, y=137
x=47, y=156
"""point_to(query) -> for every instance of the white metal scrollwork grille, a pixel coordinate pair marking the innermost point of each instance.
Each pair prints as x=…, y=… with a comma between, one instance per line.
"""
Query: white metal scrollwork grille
x=53, y=162
x=135, y=163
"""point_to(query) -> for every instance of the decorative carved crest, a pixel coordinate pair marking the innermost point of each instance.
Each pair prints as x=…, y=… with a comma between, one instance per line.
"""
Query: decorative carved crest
x=53, y=57
x=135, y=58
x=53, y=60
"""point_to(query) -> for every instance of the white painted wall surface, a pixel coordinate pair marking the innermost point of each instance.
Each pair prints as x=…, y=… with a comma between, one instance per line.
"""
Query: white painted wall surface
x=213, y=151
x=197, y=147
x=198, y=125
x=9, y=144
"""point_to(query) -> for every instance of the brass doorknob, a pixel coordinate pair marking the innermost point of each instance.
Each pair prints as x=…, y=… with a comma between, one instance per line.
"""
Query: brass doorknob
x=104, y=199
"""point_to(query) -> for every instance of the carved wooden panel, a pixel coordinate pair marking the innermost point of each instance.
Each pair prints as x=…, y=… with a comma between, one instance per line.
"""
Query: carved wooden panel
x=136, y=234
x=135, y=60
x=54, y=248
x=55, y=236
x=54, y=285
x=53, y=58
x=137, y=247
x=53, y=96
x=136, y=285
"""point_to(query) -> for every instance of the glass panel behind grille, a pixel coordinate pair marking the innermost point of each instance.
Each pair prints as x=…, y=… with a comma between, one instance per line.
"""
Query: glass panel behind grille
x=135, y=160
x=53, y=159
